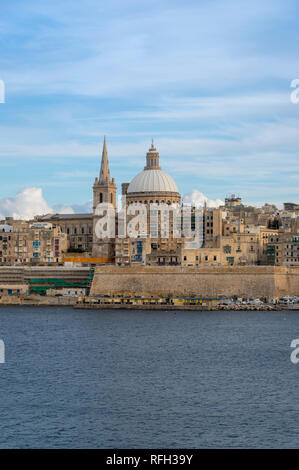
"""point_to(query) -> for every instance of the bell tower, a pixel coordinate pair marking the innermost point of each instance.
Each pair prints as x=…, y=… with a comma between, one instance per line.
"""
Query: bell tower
x=104, y=191
x=104, y=188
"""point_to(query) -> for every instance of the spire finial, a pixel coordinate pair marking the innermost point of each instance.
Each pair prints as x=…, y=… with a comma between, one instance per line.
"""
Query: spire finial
x=104, y=172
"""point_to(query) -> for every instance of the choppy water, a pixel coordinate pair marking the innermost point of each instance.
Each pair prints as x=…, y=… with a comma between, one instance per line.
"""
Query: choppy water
x=125, y=379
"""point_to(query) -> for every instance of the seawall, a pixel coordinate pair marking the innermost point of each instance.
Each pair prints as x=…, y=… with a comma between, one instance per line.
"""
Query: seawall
x=37, y=300
x=243, y=281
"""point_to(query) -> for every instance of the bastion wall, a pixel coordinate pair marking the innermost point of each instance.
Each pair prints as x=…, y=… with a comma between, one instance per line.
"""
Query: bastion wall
x=243, y=281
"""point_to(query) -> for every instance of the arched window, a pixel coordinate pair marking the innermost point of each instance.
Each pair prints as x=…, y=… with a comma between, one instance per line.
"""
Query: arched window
x=111, y=198
x=101, y=197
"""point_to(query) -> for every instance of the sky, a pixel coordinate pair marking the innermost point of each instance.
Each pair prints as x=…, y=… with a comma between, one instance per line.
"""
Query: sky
x=209, y=80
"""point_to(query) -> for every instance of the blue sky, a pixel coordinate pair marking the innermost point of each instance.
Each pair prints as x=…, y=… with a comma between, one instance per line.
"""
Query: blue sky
x=209, y=80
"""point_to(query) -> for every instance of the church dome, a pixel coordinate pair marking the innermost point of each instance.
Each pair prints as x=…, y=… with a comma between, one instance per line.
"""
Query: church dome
x=152, y=181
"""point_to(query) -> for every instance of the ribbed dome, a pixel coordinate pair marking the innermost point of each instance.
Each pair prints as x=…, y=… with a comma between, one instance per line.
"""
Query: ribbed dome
x=148, y=181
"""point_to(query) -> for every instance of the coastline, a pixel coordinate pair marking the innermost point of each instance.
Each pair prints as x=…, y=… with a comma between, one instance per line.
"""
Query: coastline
x=72, y=302
x=237, y=308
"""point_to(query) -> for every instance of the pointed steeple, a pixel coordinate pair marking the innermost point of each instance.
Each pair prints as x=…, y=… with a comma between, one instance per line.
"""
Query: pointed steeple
x=104, y=172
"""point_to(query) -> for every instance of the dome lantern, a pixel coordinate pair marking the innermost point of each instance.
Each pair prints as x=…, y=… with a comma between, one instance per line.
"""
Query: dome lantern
x=152, y=158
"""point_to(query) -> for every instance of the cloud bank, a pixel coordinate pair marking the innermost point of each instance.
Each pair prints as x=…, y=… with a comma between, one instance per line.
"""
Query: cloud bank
x=30, y=202
x=198, y=199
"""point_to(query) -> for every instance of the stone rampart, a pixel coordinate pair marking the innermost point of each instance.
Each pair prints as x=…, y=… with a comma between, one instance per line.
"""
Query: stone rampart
x=243, y=281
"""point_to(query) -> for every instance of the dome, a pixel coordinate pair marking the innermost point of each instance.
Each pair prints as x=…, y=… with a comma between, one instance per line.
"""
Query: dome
x=149, y=181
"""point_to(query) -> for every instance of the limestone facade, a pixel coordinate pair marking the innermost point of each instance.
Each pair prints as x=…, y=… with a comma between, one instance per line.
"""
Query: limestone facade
x=32, y=243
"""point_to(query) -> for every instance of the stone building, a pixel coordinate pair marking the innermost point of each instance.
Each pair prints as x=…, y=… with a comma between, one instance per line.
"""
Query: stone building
x=77, y=227
x=32, y=243
x=283, y=249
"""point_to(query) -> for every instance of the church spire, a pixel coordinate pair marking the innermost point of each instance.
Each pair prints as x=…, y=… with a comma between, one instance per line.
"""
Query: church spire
x=104, y=172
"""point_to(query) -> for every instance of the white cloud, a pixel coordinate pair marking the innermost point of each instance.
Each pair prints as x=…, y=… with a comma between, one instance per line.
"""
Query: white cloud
x=73, y=208
x=63, y=209
x=30, y=202
x=198, y=199
x=25, y=204
x=82, y=208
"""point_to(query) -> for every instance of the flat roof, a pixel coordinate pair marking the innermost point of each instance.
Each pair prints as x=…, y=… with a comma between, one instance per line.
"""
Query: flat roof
x=65, y=216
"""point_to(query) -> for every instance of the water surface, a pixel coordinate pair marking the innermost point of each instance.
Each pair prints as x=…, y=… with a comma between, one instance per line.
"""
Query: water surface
x=148, y=379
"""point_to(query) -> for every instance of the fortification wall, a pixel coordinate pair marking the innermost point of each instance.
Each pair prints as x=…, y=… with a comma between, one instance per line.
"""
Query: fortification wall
x=247, y=281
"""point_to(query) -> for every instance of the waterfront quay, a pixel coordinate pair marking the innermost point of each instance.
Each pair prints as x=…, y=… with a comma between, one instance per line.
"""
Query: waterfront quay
x=185, y=303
